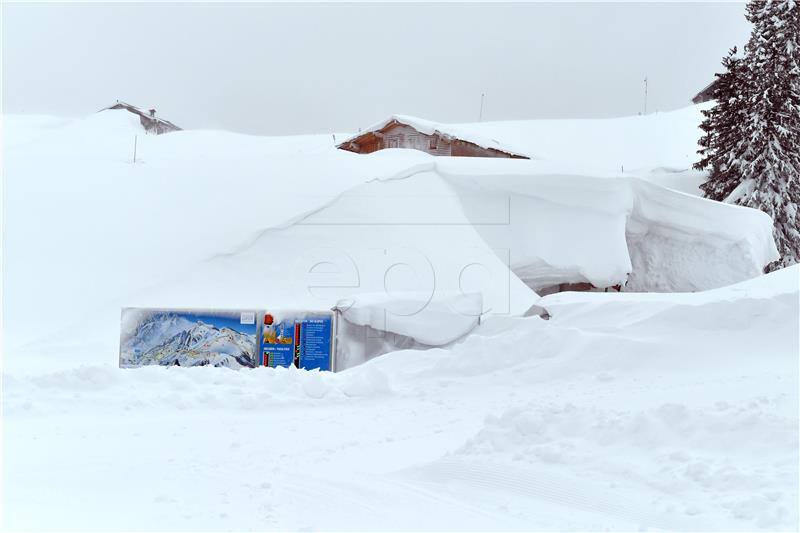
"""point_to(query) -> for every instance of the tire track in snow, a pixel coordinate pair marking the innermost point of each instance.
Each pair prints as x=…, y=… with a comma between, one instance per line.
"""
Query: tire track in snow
x=370, y=501
x=545, y=484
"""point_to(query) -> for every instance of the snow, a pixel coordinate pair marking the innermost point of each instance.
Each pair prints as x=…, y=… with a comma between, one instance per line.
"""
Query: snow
x=434, y=322
x=373, y=324
x=665, y=410
x=464, y=132
x=666, y=240
x=258, y=189
x=654, y=147
x=73, y=193
x=586, y=421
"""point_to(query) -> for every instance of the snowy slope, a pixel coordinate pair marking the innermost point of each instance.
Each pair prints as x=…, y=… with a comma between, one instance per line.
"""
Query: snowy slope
x=214, y=219
x=83, y=225
x=601, y=419
x=656, y=147
x=670, y=411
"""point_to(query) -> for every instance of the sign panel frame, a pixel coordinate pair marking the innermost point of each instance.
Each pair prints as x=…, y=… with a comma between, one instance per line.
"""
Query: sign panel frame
x=228, y=337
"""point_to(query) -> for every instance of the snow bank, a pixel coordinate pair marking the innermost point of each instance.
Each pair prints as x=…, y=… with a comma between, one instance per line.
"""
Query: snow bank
x=623, y=411
x=435, y=322
x=72, y=192
x=660, y=147
x=393, y=236
x=374, y=324
x=177, y=389
x=645, y=406
x=779, y=286
x=211, y=219
x=607, y=231
x=636, y=145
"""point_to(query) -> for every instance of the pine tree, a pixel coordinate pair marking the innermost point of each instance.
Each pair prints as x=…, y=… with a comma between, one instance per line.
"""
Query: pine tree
x=768, y=153
x=722, y=128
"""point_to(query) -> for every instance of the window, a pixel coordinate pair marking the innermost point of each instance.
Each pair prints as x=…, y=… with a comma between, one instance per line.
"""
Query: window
x=433, y=144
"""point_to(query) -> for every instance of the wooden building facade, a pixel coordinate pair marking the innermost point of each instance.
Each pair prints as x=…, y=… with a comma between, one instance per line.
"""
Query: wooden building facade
x=705, y=93
x=396, y=134
x=150, y=122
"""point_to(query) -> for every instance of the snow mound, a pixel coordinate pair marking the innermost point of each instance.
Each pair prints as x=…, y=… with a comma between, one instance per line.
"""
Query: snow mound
x=645, y=407
x=338, y=223
x=434, y=322
x=371, y=325
x=570, y=228
x=629, y=418
x=781, y=286
x=550, y=433
x=160, y=389
x=668, y=449
x=658, y=146
x=629, y=411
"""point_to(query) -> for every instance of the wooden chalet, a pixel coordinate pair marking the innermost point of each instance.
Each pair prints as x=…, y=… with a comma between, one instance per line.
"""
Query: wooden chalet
x=706, y=93
x=436, y=139
x=150, y=122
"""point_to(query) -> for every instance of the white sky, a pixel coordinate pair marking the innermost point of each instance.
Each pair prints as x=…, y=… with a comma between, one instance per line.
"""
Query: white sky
x=306, y=68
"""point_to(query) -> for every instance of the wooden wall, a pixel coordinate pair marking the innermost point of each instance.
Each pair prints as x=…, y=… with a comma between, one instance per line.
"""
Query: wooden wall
x=150, y=124
x=156, y=126
x=398, y=135
x=402, y=136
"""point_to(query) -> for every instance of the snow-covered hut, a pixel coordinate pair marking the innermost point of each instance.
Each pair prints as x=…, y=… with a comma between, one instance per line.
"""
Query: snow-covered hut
x=402, y=131
x=150, y=122
x=705, y=93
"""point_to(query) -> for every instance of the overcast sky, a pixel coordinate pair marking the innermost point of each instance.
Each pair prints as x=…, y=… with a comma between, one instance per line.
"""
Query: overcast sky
x=306, y=68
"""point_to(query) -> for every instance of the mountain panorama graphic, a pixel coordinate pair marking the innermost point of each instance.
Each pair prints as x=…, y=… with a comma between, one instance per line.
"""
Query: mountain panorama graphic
x=190, y=340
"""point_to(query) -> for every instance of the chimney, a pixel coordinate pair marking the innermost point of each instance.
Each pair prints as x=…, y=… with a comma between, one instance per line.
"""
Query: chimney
x=152, y=112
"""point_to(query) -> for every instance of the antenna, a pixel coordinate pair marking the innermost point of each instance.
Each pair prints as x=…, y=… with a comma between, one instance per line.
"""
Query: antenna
x=645, y=94
x=480, y=115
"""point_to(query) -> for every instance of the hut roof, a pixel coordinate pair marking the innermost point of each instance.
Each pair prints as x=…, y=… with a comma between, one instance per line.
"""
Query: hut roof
x=702, y=95
x=465, y=132
x=119, y=104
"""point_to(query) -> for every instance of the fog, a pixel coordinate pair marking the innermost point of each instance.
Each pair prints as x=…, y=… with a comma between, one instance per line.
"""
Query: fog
x=302, y=68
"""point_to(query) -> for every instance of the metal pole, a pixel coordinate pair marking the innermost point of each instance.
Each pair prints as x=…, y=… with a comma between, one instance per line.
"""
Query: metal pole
x=480, y=115
x=645, y=94
x=135, y=138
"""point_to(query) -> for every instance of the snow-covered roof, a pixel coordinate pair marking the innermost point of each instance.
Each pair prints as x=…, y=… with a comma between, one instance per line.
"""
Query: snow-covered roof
x=666, y=140
x=141, y=112
x=464, y=132
x=702, y=95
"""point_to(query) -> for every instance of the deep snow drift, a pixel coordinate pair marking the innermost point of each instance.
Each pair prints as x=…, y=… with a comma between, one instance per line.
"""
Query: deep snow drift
x=220, y=220
x=672, y=411
x=655, y=147
x=626, y=413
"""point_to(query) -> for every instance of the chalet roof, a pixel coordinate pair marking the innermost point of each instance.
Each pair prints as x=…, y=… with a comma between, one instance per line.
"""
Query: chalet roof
x=465, y=132
x=119, y=104
x=587, y=145
x=701, y=95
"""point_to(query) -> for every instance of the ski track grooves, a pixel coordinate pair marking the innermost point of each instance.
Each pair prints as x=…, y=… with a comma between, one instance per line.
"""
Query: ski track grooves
x=547, y=485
